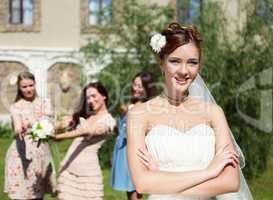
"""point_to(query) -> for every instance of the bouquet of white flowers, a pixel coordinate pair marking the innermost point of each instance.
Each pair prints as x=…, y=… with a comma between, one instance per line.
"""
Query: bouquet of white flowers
x=41, y=130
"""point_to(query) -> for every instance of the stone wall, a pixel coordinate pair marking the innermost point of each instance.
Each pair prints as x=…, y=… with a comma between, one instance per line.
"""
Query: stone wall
x=64, y=87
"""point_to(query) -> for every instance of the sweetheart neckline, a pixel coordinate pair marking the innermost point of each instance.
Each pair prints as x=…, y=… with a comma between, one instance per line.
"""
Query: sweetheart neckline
x=180, y=132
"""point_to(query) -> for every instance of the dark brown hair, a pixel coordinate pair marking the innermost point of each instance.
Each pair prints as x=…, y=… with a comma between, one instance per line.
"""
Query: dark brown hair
x=149, y=84
x=21, y=76
x=83, y=109
x=178, y=35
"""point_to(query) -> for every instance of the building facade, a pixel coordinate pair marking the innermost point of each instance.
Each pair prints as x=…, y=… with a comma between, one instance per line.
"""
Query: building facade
x=45, y=37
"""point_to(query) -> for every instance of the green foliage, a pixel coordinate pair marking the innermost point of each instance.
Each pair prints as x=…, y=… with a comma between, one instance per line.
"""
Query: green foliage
x=129, y=35
x=229, y=61
x=124, y=43
x=229, y=67
x=106, y=152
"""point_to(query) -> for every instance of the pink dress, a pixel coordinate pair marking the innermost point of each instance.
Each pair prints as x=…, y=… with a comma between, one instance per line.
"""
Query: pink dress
x=29, y=170
x=80, y=175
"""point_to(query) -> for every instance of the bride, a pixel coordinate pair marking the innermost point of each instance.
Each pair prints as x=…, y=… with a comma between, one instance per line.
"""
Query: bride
x=188, y=138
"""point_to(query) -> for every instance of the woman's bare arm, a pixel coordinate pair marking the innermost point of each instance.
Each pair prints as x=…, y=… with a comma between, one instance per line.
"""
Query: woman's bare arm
x=98, y=128
x=157, y=181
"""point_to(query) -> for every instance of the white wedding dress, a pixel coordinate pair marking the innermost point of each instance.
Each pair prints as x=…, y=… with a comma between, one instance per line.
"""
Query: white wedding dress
x=173, y=150
x=177, y=151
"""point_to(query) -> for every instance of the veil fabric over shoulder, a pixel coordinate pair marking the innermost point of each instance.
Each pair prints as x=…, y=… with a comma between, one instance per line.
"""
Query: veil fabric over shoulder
x=199, y=90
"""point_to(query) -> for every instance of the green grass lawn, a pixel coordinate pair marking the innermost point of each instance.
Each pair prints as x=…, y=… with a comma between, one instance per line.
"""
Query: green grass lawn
x=262, y=188
x=58, y=151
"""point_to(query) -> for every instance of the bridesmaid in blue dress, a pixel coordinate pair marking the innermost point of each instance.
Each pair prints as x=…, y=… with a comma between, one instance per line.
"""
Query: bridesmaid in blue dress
x=143, y=89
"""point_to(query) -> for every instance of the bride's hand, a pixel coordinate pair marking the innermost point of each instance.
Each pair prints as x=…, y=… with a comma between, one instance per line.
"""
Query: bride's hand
x=221, y=159
x=146, y=159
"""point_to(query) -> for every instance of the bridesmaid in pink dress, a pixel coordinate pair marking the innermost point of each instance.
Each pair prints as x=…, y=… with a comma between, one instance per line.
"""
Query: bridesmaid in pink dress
x=80, y=175
x=29, y=170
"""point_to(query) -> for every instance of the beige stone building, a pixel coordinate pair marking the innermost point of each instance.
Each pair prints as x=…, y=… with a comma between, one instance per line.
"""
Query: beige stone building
x=45, y=37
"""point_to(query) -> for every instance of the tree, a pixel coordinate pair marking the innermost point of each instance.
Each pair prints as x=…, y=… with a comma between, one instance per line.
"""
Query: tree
x=123, y=48
x=228, y=66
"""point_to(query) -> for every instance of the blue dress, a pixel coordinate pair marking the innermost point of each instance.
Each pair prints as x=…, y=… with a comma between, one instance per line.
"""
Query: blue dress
x=121, y=179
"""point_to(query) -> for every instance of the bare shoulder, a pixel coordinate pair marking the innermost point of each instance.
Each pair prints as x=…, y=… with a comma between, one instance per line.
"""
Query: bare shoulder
x=211, y=110
x=109, y=121
x=215, y=111
x=198, y=104
x=144, y=108
x=210, y=106
x=110, y=117
x=137, y=109
x=140, y=114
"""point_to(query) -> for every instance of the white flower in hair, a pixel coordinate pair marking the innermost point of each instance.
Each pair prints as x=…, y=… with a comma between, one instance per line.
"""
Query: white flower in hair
x=13, y=80
x=157, y=42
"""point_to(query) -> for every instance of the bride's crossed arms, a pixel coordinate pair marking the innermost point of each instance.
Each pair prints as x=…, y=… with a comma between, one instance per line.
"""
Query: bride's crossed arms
x=219, y=177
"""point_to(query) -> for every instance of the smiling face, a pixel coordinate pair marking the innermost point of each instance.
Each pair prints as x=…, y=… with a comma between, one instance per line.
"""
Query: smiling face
x=137, y=88
x=94, y=99
x=180, y=69
x=27, y=88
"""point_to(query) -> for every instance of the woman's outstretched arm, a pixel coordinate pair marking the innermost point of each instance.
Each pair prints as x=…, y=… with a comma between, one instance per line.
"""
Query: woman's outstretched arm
x=98, y=128
x=158, y=181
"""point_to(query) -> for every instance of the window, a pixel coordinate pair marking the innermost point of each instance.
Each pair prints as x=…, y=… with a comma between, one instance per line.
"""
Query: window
x=21, y=12
x=99, y=12
x=20, y=16
x=264, y=10
x=95, y=14
x=189, y=10
x=260, y=7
